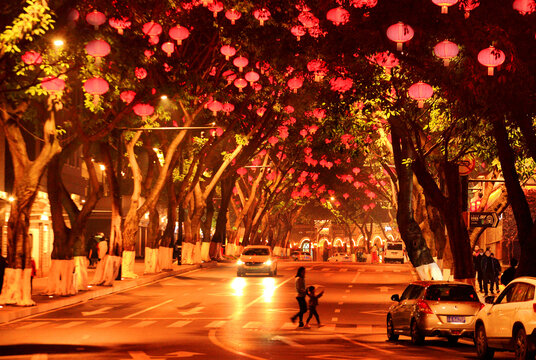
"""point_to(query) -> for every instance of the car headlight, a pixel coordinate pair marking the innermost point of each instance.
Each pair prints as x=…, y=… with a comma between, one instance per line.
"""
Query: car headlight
x=268, y=262
x=239, y=262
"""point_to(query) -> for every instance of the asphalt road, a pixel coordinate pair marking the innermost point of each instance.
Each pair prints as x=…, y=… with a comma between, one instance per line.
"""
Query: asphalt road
x=212, y=314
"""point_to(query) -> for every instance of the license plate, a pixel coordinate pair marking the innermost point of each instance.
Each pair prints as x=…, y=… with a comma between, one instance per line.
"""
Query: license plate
x=456, y=319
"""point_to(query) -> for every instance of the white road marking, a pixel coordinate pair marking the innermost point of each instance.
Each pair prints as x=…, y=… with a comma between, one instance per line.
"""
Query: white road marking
x=148, y=309
x=33, y=325
x=347, y=291
x=193, y=311
x=344, y=296
x=364, y=329
x=357, y=274
x=142, y=324
x=216, y=324
x=139, y=355
x=39, y=357
x=384, y=288
x=258, y=299
x=365, y=345
x=70, y=324
x=183, y=354
x=96, y=312
x=337, y=310
x=379, y=270
x=179, y=323
x=215, y=341
x=106, y=324
x=287, y=341
x=253, y=325
x=343, y=269
x=350, y=286
x=340, y=302
x=334, y=319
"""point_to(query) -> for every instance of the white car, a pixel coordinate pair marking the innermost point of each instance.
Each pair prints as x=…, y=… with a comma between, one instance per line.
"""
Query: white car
x=256, y=259
x=301, y=256
x=394, y=252
x=340, y=257
x=508, y=322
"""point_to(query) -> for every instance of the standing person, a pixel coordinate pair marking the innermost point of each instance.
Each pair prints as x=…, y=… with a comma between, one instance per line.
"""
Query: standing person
x=488, y=271
x=3, y=265
x=301, y=291
x=478, y=267
x=497, y=272
x=510, y=273
x=374, y=255
x=313, y=303
x=34, y=272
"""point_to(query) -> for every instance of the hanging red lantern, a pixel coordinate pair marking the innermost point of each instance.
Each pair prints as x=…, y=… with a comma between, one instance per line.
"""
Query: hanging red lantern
x=168, y=47
x=98, y=49
x=53, y=84
x=400, y=33
x=491, y=57
x=295, y=83
x=318, y=67
x=524, y=7
x=338, y=16
x=228, y=51
x=420, y=92
x=240, y=62
x=242, y=171
x=446, y=50
x=252, y=76
x=469, y=5
x=119, y=24
x=127, y=96
x=73, y=15
x=95, y=18
x=215, y=7
x=32, y=58
x=385, y=59
x=227, y=108
x=140, y=73
x=233, y=15
x=262, y=15
x=143, y=110
x=444, y=4
x=240, y=84
x=179, y=33
x=152, y=30
x=96, y=86
x=215, y=106
x=364, y=3
x=229, y=75
x=298, y=31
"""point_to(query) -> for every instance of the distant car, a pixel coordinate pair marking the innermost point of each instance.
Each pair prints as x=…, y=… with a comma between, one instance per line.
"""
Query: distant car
x=508, y=322
x=340, y=257
x=394, y=252
x=433, y=308
x=300, y=256
x=256, y=259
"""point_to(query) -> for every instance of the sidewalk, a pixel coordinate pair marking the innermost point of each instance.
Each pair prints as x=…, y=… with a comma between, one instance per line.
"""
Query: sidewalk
x=46, y=303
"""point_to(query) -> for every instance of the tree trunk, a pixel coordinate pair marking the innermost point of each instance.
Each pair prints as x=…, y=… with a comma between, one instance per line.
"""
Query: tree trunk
x=220, y=232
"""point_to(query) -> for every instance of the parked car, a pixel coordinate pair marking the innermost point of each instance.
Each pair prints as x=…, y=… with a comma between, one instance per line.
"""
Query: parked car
x=394, y=252
x=433, y=308
x=300, y=256
x=256, y=259
x=340, y=257
x=508, y=322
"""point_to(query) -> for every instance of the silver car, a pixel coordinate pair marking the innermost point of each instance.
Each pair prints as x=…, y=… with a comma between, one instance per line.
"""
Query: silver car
x=433, y=308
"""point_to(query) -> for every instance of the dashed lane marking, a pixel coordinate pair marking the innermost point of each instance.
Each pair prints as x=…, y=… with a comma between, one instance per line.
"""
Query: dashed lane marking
x=179, y=323
x=365, y=345
x=337, y=310
x=216, y=324
x=350, y=286
x=33, y=325
x=357, y=274
x=143, y=324
x=107, y=324
x=70, y=324
x=334, y=319
x=287, y=341
x=148, y=309
x=343, y=269
x=252, y=325
x=347, y=291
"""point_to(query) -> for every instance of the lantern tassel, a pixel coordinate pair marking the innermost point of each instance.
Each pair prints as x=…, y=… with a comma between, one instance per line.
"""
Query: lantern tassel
x=490, y=71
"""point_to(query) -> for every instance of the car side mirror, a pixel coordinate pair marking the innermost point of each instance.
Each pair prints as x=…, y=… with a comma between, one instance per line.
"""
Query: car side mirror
x=395, y=297
x=489, y=299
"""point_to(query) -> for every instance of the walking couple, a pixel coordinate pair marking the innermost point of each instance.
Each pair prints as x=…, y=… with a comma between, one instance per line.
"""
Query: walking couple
x=302, y=291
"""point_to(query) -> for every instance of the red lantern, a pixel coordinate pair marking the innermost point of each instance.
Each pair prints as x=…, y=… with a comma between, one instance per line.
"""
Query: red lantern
x=119, y=24
x=400, y=33
x=95, y=18
x=446, y=50
x=179, y=33
x=318, y=67
x=98, y=49
x=143, y=110
x=73, y=15
x=262, y=15
x=233, y=15
x=444, y=4
x=215, y=7
x=53, y=84
x=298, y=31
x=240, y=62
x=252, y=76
x=227, y=108
x=469, y=5
x=228, y=51
x=364, y=3
x=524, y=7
x=338, y=16
x=229, y=76
x=491, y=58
x=242, y=171
x=127, y=96
x=96, y=86
x=215, y=106
x=295, y=83
x=140, y=73
x=240, y=84
x=385, y=59
x=420, y=92
x=32, y=58
x=153, y=30
x=168, y=47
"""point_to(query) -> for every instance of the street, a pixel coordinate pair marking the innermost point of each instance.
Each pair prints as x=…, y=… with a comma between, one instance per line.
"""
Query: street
x=212, y=314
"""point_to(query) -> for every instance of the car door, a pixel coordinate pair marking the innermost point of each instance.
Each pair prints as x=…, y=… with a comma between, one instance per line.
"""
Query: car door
x=501, y=314
x=408, y=306
x=396, y=310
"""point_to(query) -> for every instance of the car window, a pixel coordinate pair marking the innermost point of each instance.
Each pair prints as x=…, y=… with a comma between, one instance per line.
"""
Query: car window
x=394, y=246
x=507, y=295
x=529, y=295
x=523, y=292
x=257, y=251
x=416, y=292
x=407, y=292
x=451, y=292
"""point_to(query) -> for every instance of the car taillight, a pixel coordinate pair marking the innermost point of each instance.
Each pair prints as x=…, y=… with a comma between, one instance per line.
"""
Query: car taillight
x=534, y=307
x=424, y=307
x=482, y=306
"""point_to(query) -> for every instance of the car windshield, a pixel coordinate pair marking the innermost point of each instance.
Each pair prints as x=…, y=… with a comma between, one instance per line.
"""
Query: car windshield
x=394, y=246
x=257, y=251
x=448, y=292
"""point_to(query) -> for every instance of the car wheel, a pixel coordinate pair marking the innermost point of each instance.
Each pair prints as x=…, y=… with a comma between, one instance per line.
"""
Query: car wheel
x=452, y=339
x=275, y=272
x=417, y=338
x=521, y=345
x=483, y=351
x=391, y=336
x=239, y=273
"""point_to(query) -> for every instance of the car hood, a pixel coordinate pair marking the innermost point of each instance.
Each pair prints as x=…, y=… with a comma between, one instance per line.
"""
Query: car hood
x=254, y=258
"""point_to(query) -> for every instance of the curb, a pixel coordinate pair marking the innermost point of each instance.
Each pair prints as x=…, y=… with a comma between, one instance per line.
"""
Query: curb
x=15, y=313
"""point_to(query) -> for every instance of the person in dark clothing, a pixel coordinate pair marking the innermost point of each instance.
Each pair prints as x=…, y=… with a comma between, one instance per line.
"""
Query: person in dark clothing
x=301, y=290
x=3, y=265
x=313, y=303
x=510, y=273
x=497, y=272
x=477, y=263
x=488, y=271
